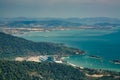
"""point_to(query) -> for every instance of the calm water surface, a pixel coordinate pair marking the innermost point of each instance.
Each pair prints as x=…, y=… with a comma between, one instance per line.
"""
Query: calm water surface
x=103, y=43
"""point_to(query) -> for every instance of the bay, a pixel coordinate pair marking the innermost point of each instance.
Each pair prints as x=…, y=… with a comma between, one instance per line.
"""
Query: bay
x=103, y=43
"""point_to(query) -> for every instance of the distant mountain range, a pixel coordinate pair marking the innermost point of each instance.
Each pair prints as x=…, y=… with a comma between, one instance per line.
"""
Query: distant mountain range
x=58, y=22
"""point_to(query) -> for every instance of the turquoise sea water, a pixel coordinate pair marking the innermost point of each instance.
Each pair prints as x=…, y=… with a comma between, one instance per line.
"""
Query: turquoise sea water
x=103, y=43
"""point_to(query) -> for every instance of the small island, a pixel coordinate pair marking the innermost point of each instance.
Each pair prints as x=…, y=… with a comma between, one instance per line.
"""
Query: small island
x=95, y=57
x=115, y=61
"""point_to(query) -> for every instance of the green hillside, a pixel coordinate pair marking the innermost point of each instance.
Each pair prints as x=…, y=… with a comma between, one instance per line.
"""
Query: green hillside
x=12, y=70
x=38, y=71
x=13, y=46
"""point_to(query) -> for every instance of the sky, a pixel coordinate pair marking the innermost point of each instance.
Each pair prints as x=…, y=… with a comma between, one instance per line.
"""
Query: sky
x=60, y=8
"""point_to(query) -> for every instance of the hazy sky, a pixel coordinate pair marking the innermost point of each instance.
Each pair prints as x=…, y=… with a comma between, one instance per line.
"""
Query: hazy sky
x=60, y=8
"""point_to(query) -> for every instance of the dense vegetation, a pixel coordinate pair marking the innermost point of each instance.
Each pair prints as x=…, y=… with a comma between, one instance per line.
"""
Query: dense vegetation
x=13, y=70
x=14, y=46
x=38, y=71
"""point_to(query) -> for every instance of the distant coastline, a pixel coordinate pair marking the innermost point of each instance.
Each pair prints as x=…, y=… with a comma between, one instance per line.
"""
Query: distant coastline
x=24, y=30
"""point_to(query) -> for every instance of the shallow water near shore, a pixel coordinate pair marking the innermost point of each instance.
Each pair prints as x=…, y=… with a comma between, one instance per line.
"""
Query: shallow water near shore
x=102, y=43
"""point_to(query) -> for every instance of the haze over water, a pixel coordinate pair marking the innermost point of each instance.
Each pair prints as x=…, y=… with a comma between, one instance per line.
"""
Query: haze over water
x=103, y=43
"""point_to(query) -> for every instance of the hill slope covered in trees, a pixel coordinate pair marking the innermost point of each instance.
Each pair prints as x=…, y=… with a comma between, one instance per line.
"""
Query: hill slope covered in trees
x=15, y=46
x=14, y=70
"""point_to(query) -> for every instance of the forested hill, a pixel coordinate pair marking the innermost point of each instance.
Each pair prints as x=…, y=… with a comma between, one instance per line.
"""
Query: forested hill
x=13, y=70
x=15, y=46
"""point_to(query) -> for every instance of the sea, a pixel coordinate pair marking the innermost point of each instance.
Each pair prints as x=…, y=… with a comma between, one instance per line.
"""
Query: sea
x=102, y=43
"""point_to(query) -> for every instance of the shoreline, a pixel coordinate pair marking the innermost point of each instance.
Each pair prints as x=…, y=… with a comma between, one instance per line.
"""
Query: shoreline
x=92, y=68
x=62, y=61
x=81, y=67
